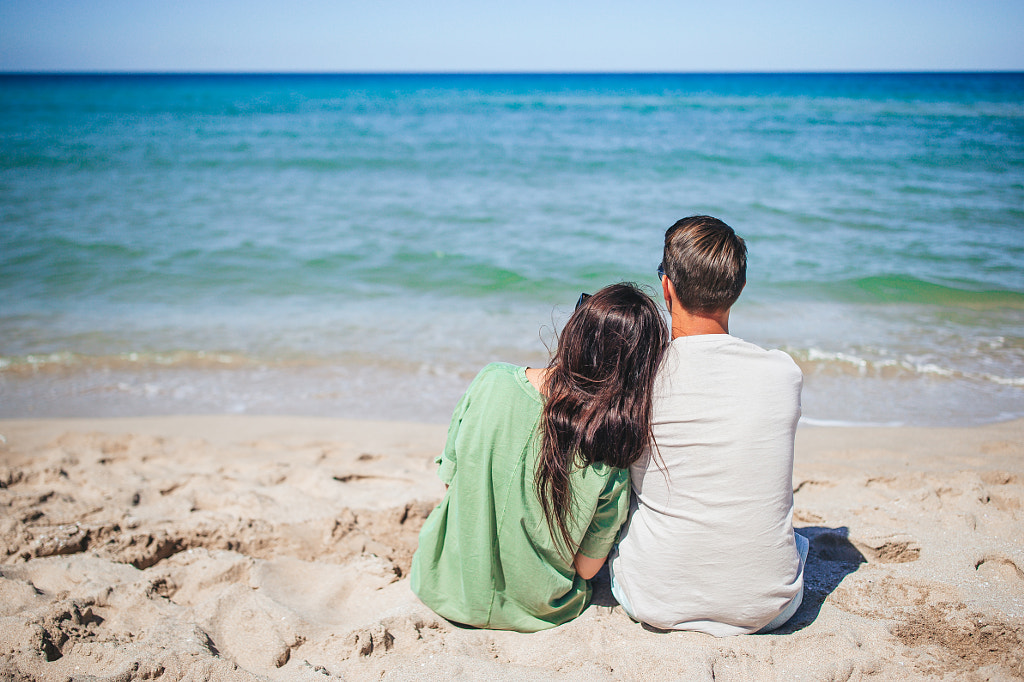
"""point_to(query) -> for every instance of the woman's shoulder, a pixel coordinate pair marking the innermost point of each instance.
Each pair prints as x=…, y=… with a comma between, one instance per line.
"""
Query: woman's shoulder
x=505, y=382
x=498, y=371
x=501, y=368
x=498, y=375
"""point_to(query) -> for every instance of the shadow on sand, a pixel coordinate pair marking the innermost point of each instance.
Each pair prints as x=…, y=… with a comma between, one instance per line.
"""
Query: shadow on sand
x=831, y=558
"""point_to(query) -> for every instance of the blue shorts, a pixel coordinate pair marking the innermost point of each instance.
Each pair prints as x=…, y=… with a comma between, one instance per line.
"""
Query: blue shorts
x=617, y=592
x=802, y=546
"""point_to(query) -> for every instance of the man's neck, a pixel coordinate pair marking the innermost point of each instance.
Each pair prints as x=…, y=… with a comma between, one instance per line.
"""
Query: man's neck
x=685, y=323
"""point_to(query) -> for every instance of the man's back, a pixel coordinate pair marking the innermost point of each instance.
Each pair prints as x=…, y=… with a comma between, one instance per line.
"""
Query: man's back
x=709, y=545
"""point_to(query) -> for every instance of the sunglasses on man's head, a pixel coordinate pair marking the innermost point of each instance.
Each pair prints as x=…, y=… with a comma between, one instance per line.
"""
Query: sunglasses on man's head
x=661, y=270
x=581, y=300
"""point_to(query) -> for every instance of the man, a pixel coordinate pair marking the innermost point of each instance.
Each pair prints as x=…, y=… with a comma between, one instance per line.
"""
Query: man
x=709, y=544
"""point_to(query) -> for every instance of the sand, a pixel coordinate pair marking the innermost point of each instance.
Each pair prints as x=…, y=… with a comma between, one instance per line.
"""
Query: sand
x=243, y=548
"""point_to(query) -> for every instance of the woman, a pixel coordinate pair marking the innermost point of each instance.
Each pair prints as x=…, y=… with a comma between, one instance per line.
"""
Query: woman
x=535, y=467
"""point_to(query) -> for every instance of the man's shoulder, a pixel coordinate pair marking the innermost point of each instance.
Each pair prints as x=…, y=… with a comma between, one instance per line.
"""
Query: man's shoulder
x=757, y=350
x=732, y=364
x=732, y=348
x=778, y=359
x=772, y=365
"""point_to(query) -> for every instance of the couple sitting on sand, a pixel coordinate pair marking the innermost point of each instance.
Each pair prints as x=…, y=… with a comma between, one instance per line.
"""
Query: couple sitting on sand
x=539, y=464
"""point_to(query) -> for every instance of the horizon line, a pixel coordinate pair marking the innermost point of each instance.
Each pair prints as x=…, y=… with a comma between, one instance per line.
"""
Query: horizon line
x=723, y=72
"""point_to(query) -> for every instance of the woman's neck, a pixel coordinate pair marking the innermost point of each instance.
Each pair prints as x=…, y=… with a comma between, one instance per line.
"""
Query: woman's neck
x=538, y=377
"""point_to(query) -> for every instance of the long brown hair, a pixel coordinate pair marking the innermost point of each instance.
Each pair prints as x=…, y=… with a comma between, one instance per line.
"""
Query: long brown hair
x=599, y=385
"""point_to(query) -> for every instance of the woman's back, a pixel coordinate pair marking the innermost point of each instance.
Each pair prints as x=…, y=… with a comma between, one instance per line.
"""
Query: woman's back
x=537, y=484
x=487, y=557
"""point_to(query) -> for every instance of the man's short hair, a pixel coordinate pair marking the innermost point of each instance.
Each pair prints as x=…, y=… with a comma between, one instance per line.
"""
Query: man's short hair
x=706, y=262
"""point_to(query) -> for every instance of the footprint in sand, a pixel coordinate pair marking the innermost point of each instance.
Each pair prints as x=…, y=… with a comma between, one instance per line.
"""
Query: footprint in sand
x=995, y=567
x=999, y=447
x=1000, y=478
x=889, y=549
x=356, y=478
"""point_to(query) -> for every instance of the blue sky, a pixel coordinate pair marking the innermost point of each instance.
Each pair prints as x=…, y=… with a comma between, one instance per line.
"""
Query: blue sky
x=530, y=35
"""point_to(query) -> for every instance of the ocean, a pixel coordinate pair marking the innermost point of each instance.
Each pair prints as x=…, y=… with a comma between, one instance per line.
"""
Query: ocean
x=360, y=245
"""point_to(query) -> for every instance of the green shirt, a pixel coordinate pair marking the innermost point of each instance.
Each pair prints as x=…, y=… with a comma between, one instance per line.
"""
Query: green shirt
x=486, y=557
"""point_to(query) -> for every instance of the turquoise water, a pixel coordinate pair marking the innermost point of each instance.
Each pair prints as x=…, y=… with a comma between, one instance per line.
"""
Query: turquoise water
x=361, y=245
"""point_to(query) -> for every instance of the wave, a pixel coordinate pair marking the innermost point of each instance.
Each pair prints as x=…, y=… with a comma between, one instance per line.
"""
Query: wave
x=813, y=361
x=66, y=360
x=467, y=277
x=909, y=289
x=810, y=421
x=136, y=363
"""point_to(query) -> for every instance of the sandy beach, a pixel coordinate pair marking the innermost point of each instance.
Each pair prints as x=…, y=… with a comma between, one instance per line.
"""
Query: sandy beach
x=245, y=548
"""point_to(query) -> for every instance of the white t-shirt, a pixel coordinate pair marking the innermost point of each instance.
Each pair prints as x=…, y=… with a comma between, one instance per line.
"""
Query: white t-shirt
x=709, y=543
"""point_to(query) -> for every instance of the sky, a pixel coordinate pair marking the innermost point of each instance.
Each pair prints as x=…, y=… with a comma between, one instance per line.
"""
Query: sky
x=524, y=35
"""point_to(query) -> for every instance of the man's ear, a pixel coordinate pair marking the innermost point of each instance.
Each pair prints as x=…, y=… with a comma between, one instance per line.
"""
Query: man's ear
x=669, y=291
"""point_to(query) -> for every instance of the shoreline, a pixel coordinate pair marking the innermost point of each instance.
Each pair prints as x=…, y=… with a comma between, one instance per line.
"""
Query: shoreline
x=428, y=393
x=246, y=547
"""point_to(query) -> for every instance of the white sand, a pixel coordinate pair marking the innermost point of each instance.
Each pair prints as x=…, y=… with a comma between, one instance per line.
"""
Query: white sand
x=278, y=548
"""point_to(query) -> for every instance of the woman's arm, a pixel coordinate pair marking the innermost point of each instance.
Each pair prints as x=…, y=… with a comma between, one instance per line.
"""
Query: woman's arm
x=612, y=511
x=586, y=566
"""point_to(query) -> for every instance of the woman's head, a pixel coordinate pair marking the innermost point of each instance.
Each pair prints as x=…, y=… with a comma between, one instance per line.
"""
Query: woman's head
x=599, y=386
x=607, y=355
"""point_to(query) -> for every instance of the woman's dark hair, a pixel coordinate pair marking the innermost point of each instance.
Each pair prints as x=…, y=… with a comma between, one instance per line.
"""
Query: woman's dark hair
x=599, y=385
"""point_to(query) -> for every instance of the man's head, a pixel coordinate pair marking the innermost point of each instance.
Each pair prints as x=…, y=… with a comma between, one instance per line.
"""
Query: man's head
x=706, y=261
